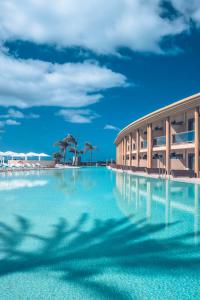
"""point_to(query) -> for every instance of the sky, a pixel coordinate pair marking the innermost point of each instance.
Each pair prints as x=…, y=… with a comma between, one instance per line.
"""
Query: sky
x=91, y=67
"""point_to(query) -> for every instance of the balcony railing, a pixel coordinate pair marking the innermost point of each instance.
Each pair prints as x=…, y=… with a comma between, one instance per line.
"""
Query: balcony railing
x=159, y=141
x=183, y=137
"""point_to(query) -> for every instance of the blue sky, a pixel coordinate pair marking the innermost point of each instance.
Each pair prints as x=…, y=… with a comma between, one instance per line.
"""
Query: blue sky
x=91, y=67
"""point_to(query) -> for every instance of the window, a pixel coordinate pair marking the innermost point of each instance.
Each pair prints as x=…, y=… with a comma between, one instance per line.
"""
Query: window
x=177, y=123
x=157, y=156
x=175, y=155
x=157, y=128
x=191, y=124
x=179, y=156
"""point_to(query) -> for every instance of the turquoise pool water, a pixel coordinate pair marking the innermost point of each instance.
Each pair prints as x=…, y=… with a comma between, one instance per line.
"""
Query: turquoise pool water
x=92, y=233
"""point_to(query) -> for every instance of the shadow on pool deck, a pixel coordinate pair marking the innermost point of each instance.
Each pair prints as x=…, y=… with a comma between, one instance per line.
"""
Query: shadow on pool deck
x=81, y=256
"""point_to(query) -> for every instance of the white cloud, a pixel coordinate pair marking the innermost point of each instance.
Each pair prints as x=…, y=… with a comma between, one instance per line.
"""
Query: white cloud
x=16, y=114
x=26, y=83
x=13, y=114
x=12, y=122
x=9, y=122
x=78, y=115
x=190, y=10
x=99, y=25
x=111, y=127
x=32, y=116
x=20, y=183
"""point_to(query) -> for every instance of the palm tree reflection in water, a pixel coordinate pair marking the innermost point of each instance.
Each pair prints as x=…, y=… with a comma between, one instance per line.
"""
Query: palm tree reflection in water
x=70, y=182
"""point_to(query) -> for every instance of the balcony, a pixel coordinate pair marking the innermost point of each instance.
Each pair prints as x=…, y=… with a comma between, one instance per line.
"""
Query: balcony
x=183, y=137
x=159, y=141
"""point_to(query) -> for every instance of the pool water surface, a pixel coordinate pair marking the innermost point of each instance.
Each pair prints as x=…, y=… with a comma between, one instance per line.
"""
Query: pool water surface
x=92, y=233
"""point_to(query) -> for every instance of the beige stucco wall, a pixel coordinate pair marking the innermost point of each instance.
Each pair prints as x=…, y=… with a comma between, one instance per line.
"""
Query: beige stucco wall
x=179, y=164
x=157, y=133
x=159, y=163
x=143, y=163
x=134, y=163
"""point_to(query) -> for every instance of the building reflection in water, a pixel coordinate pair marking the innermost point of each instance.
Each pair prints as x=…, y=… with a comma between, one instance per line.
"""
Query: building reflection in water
x=159, y=200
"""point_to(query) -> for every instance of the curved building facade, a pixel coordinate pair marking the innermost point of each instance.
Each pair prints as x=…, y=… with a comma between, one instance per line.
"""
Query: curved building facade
x=166, y=138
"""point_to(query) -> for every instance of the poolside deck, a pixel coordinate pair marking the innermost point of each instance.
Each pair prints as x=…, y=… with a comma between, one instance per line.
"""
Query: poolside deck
x=162, y=176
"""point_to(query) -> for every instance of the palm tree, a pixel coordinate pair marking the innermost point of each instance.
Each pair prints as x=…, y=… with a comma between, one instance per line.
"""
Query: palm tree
x=72, y=150
x=77, y=153
x=81, y=152
x=89, y=147
x=63, y=144
x=57, y=157
x=70, y=139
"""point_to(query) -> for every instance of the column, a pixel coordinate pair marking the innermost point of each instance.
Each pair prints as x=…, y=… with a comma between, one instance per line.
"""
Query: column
x=130, y=149
x=168, y=144
x=121, y=152
x=118, y=155
x=138, y=147
x=196, y=142
x=149, y=146
x=125, y=150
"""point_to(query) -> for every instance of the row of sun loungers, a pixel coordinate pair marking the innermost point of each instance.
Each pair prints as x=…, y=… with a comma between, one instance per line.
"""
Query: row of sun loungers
x=158, y=171
x=24, y=166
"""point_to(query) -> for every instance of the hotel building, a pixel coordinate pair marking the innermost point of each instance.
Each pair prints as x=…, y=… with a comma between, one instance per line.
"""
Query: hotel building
x=166, y=138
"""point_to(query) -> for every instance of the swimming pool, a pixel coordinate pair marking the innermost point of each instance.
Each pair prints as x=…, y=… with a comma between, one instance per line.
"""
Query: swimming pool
x=93, y=233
